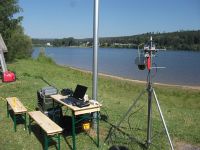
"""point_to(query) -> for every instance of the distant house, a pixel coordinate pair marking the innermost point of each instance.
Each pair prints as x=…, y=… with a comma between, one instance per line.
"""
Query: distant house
x=48, y=44
x=124, y=45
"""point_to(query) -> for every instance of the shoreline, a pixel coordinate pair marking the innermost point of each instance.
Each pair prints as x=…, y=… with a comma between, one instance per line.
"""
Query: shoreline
x=136, y=81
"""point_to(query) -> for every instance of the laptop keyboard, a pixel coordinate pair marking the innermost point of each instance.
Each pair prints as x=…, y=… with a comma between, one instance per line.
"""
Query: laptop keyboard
x=75, y=102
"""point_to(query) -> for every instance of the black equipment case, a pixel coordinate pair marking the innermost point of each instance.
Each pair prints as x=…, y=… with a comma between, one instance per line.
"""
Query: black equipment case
x=45, y=103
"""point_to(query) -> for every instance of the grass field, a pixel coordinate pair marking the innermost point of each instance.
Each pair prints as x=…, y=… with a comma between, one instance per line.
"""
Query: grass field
x=181, y=109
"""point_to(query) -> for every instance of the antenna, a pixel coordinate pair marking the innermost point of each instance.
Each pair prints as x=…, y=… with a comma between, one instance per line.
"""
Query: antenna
x=144, y=60
x=146, y=55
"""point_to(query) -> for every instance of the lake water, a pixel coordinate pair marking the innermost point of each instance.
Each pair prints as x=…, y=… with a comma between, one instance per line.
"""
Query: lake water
x=182, y=67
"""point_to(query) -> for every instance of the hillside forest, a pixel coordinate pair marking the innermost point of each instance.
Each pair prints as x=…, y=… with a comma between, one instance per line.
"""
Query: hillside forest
x=180, y=40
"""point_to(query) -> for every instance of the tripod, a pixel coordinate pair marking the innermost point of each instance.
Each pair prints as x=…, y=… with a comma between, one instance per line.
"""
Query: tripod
x=151, y=92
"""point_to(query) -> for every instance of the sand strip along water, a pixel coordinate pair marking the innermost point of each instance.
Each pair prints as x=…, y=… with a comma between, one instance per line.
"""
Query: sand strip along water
x=138, y=81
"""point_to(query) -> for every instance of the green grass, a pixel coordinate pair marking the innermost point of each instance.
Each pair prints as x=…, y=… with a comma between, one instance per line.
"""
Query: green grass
x=181, y=108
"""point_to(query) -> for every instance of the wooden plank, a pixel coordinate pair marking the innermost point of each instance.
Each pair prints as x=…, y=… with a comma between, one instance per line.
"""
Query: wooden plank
x=91, y=106
x=45, y=123
x=80, y=112
x=58, y=96
x=16, y=105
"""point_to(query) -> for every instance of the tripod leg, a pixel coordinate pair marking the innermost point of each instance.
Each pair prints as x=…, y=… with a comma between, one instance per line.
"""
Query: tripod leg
x=125, y=115
x=164, y=124
x=149, y=118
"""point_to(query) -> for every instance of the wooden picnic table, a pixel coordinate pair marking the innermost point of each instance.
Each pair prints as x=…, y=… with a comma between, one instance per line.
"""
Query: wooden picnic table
x=78, y=111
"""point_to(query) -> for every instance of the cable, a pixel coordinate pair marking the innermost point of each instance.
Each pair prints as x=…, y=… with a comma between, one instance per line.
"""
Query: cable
x=106, y=116
x=133, y=114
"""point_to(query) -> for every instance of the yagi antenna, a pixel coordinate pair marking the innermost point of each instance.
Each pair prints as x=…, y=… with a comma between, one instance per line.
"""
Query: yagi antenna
x=145, y=55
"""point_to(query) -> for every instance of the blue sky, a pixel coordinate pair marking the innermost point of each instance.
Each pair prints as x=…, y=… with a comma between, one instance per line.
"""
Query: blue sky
x=74, y=18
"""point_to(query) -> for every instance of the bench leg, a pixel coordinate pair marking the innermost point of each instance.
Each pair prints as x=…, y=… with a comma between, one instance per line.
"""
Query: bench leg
x=73, y=131
x=15, y=123
x=7, y=110
x=29, y=125
x=58, y=141
x=45, y=141
x=25, y=121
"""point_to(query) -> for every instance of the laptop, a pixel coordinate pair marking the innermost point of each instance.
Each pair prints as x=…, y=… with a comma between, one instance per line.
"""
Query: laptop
x=77, y=98
x=79, y=92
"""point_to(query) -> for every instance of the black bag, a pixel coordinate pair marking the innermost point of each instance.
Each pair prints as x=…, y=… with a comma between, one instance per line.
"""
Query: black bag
x=66, y=92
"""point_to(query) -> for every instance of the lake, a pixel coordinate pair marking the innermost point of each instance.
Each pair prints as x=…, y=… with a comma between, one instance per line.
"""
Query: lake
x=182, y=67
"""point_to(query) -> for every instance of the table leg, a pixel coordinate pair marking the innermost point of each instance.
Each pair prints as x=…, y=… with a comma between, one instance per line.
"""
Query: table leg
x=53, y=110
x=97, y=129
x=73, y=131
x=15, y=123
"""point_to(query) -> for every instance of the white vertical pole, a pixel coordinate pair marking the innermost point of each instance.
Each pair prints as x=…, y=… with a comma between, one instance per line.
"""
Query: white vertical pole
x=3, y=49
x=163, y=120
x=95, y=53
x=2, y=61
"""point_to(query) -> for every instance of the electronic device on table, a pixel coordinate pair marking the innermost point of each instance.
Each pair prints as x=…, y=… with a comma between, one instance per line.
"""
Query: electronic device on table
x=45, y=103
x=77, y=99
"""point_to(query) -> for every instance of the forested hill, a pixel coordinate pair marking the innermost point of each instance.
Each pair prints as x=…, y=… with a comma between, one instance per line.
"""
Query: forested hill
x=180, y=40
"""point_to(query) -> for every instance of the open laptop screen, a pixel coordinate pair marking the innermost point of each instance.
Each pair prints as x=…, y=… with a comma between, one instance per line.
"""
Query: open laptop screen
x=80, y=91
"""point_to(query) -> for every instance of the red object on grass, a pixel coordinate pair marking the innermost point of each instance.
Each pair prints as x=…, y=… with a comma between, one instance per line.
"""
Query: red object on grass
x=8, y=76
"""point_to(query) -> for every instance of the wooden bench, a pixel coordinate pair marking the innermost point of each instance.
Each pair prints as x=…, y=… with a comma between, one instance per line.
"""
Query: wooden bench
x=14, y=104
x=50, y=128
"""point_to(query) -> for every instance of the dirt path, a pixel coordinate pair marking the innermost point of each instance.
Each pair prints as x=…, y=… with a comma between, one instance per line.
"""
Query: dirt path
x=185, y=146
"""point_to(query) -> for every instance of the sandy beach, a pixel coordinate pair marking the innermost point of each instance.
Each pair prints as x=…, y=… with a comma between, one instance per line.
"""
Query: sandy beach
x=138, y=81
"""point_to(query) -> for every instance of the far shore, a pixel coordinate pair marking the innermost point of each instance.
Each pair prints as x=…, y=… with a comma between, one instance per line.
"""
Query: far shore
x=137, y=81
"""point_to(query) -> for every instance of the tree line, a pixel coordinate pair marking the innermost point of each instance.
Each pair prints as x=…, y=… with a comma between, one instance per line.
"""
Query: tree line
x=179, y=40
x=19, y=45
